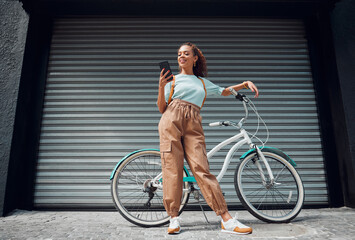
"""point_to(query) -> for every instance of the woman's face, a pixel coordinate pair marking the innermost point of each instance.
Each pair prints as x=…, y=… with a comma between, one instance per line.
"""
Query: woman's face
x=186, y=57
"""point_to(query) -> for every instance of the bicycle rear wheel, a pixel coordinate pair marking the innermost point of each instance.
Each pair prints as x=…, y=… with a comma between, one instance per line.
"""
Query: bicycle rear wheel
x=134, y=198
x=276, y=202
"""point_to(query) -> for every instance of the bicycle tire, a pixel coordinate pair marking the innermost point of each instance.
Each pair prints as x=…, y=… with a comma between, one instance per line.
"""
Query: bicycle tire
x=128, y=192
x=274, y=203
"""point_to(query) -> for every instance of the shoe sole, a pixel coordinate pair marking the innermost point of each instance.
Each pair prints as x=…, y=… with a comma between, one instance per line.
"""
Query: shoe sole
x=174, y=233
x=232, y=232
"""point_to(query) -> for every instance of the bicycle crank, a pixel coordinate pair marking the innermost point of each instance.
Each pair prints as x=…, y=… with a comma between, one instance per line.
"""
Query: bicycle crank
x=148, y=188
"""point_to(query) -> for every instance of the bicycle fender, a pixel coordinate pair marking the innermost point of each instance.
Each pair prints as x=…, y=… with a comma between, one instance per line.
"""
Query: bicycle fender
x=130, y=154
x=127, y=156
x=271, y=150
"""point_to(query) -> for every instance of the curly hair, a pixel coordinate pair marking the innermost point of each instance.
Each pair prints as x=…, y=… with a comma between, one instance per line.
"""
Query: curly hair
x=200, y=70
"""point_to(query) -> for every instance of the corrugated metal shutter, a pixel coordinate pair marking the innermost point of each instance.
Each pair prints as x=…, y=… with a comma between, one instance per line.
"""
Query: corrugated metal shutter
x=100, y=99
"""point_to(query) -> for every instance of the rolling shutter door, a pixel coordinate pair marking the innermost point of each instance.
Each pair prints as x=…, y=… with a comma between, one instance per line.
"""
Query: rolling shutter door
x=100, y=98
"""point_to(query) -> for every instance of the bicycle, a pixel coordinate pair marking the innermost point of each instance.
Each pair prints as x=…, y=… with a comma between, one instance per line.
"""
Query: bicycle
x=266, y=181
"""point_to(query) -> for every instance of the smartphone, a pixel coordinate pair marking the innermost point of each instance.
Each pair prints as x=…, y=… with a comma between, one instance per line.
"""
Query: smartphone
x=165, y=65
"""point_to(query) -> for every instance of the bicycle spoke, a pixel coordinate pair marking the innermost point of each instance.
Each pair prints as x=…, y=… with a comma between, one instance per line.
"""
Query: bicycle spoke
x=131, y=190
x=271, y=200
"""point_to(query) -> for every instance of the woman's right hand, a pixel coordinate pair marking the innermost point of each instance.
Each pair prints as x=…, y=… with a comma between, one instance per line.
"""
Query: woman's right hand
x=164, y=79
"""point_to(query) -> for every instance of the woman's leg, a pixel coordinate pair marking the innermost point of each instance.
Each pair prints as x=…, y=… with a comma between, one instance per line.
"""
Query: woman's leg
x=195, y=154
x=172, y=165
x=172, y=158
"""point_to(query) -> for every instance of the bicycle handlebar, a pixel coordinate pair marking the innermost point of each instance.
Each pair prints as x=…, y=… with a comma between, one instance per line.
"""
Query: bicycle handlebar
x=244, y=100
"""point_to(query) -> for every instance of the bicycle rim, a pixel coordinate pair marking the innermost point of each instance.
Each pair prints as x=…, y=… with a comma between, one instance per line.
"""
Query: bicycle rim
x=278, y=202
x=128, y=192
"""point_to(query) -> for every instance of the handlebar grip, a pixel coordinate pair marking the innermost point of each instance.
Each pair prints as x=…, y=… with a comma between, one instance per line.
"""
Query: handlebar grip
x=215, y=124
x=240, y=97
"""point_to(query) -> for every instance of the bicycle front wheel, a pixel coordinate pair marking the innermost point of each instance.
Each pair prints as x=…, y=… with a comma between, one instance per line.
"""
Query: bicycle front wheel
x=134, y=197
x=278, y=201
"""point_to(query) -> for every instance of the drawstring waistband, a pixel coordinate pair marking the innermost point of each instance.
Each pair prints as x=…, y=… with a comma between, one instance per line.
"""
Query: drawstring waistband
x=190, y=109
x=179, y=102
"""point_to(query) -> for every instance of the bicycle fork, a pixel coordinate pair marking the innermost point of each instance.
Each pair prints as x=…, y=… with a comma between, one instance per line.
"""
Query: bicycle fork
x=261, y=156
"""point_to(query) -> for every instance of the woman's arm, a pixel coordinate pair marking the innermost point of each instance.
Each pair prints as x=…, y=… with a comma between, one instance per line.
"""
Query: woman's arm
x=161, y=95
x=161, y=99
x=247, y=84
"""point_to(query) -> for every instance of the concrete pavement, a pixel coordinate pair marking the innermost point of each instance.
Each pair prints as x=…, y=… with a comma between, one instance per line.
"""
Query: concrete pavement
x=312, y=224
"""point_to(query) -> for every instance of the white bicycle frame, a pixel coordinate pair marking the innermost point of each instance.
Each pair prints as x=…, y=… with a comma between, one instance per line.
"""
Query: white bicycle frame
x=245, y=139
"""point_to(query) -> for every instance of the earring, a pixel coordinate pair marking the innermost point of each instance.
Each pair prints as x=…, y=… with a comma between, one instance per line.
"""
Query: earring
x=194, y=64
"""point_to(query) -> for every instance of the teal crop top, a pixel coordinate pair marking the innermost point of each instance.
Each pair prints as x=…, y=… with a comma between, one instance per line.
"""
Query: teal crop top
x=190, y=88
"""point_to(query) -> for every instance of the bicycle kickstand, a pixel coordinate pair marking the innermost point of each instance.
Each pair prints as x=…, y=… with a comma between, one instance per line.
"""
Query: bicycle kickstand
x=197, y=197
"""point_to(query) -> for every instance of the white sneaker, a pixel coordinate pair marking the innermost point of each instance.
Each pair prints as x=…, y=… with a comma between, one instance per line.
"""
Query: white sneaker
x=234, y=226
x=174, y=226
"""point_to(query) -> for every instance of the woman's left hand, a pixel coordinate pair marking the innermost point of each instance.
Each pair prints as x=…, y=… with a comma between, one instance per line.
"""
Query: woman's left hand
x=252, y=87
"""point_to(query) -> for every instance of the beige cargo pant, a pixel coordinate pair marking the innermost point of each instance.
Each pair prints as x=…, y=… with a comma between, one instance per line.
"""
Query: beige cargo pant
x=181, y=135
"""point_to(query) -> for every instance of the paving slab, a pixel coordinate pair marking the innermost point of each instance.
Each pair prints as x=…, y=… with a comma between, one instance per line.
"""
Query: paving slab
x=325, y=223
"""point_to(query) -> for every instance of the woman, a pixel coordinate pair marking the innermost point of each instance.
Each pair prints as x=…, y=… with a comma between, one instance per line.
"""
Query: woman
x=181, y=135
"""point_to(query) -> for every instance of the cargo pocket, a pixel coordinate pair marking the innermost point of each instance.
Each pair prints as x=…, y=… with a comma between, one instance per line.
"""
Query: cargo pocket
x=165, y=148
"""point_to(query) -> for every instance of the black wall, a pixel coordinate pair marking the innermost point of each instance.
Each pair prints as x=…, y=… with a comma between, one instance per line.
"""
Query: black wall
x=343, y=28
x=25, y=141
x=13, y=31
x=326, y=84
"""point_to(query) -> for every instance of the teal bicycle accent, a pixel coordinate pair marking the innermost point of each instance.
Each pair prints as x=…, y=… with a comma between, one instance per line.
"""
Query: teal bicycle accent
x=189, y=179
x=272, y=150
x=127, y=156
